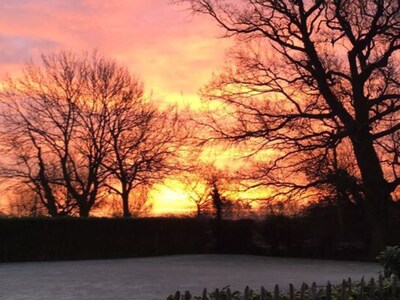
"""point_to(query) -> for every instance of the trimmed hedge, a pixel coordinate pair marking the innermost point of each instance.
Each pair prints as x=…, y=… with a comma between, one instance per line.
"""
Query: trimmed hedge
x=322, y=238
x=31, y=239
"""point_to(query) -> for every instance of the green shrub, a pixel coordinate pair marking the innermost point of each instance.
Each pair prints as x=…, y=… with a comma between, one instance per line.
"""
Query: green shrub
x=390, y=260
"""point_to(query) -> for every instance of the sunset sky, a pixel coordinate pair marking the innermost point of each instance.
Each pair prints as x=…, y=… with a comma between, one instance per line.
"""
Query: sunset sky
x=171, y=51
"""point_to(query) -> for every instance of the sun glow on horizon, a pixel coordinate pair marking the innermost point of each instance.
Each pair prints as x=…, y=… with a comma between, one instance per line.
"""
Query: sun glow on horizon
x=170, y=198
x=174, y=63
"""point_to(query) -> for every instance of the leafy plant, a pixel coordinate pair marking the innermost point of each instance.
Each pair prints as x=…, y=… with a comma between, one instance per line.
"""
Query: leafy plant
x=390, y=260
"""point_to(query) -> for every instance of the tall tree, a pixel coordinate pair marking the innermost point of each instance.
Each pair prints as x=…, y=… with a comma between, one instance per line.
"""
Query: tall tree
x=310, y=75
x=38, y=120
x=145, y=143
x=55, y=124
x=214, y=192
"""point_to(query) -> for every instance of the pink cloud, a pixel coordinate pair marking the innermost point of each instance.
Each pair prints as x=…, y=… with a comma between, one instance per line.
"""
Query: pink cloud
x=159, y=42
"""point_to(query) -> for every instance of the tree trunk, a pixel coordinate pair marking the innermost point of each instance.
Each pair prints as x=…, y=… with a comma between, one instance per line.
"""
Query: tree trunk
x=52, y=210
x=45, y=186
x=125, y=204
x=50, y=200
x=377, y=193
x=84, y=209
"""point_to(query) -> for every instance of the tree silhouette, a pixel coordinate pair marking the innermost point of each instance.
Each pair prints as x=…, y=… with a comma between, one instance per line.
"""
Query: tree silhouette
x=145, y=144
x=198, y=192
x=139, y=205
x=214, y=192
x=337, y=176
x=26, y=203
x=75, y=124
x=309, y=76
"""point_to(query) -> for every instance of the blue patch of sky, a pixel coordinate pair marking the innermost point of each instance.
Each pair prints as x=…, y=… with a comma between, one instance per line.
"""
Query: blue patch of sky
x=17, y=49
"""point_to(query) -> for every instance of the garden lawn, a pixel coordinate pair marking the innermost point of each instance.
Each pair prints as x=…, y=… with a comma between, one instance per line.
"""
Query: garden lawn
x=157, y=277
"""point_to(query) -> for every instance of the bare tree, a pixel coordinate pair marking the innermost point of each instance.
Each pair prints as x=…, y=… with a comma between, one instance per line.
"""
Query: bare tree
x=56, y=127
x=25, y=167
x=139, y=205
x=198, y=192
x=81, y=124
x=214, y=192
x=145, y=144
x=310, y=75
x=26, y=203
x=38, y=119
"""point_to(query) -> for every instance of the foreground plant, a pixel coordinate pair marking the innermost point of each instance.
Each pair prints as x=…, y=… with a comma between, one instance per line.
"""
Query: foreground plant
x=384, y=288
x=390, y=260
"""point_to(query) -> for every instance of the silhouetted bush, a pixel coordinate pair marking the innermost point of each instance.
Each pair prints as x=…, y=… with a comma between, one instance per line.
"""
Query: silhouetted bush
x=390, y=260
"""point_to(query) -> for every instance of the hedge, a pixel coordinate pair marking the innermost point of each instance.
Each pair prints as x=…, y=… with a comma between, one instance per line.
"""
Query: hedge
x=32, y=239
